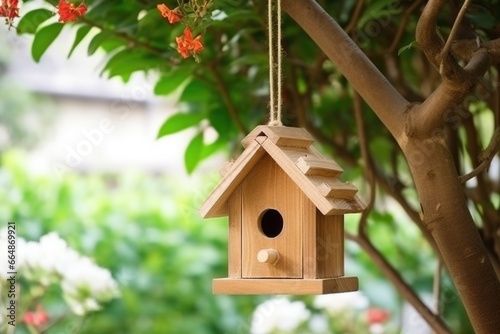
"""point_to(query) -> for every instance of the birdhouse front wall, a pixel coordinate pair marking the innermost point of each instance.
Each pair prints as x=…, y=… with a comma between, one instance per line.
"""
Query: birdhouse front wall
x=272, y=219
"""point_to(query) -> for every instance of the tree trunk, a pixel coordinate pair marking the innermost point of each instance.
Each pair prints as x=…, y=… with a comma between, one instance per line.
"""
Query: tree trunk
x=449, y=221
x=441, y=194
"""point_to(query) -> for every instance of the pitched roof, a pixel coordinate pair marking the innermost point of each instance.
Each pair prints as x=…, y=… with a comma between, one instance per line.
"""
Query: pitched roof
x=292, y=150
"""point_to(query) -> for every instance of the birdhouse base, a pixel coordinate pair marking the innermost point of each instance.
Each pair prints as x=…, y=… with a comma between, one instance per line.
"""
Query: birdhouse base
x=287, y=286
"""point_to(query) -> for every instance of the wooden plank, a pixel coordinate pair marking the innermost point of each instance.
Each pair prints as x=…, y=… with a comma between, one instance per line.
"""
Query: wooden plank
x=281, y=136
x=268, y=187
x=310, y=166
x=234, y=234
x=330, y=245
x=337, y=188
x=214, y=205
x=291, y=137
x=224, y=170
x=309, y=238
x=247, y=286
x=342, y=205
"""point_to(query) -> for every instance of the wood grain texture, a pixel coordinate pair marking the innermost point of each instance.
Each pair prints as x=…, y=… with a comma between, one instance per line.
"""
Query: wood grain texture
x=234, y=234
x=284, y=286
x=345, y=205
x=309, y=231
x=329, y=245
x=336, y=188
x=281, y=136
x=320, y=167
x=268, y=187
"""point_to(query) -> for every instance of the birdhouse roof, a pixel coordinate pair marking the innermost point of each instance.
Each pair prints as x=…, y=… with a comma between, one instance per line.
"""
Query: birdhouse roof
x=292, y=150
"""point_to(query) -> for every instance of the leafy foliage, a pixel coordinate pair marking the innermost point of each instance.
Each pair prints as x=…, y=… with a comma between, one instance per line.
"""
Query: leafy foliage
x=146, y=232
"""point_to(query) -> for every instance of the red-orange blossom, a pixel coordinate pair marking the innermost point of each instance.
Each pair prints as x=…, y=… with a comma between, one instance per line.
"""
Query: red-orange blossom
x=68, y=12
x=186, y=44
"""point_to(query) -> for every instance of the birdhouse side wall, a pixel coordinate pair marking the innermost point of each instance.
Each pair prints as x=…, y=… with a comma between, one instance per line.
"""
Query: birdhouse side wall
x=330, y=245
x=268, y=187
x=234, y=234
x=310, y=232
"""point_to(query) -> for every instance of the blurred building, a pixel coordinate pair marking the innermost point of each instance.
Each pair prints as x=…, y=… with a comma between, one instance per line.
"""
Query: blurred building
x=101, y=124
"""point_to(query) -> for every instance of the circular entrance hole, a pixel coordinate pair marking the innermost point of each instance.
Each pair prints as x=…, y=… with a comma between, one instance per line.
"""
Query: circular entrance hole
x=271, y=223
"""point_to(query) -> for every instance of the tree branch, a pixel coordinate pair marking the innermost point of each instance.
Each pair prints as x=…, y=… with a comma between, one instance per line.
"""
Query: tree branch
x=455, y=28
x=367, y=158
x=430, y=115
x=233, y=112
x=126, y=37
x=378, y=93
x=493, y=48
x=426, y=33
x=355, y=16
x=486, y=157
x=402, y=26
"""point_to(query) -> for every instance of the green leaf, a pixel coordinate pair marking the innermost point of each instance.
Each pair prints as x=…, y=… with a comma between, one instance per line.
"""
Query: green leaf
x=80, y=35
x=43, y=38
x=173, y=80
x=127, y=61
x=481, y=17
x=197, y=91
x=212, y=148
x=179, y=122
x=220, y=120
x=96, y=42
x=30, y=22
x=193, y=152
x=407, y=47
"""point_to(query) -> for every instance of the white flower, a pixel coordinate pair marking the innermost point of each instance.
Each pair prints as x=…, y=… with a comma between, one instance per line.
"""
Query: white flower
x=278, y=314
x=51, y=260
x=340, y=302
x=85, y=285
x=46, y=260
x=318, y=324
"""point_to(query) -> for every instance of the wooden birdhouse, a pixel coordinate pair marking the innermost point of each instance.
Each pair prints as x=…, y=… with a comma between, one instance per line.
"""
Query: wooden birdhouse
x=285, y=204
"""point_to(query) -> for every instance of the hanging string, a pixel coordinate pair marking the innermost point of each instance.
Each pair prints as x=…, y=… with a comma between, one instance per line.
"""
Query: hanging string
x=275, y=71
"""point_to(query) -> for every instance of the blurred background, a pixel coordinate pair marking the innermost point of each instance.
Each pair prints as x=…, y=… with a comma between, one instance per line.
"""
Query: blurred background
x=79, y=156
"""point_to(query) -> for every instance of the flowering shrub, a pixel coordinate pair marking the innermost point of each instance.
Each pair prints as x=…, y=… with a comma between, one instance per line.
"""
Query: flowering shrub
x=191, y=15
x=335, y=313
x=194, y=15
x=48, y=262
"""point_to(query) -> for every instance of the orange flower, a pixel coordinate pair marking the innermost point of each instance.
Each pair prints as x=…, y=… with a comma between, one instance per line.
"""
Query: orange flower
x=9, y=9
x=376, y=315
x=68, y=12
x=169, y=14
x=38, y=318
x=187, y=45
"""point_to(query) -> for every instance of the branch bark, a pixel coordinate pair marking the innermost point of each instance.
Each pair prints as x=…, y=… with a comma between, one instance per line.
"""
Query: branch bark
x=378, y=93
x=448, y=219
